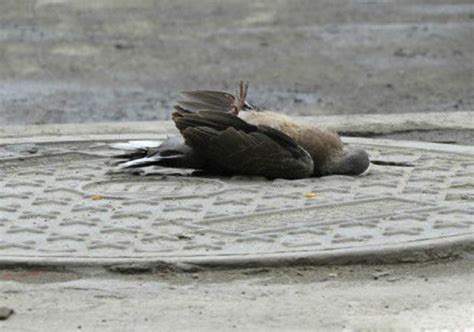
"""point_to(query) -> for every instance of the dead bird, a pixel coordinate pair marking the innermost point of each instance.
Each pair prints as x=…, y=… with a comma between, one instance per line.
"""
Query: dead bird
x=225, y=134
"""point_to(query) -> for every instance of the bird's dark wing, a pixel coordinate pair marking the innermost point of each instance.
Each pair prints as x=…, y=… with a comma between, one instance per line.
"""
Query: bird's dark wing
x=207, y=100
x=231, y=145
x=212, y=100
x=213, y=119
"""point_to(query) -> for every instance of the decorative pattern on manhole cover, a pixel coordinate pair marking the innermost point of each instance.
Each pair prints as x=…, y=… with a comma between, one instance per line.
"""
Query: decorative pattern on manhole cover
x=57, y=201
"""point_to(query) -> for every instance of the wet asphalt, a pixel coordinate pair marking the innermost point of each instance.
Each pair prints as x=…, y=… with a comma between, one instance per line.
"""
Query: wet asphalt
x=126, y=60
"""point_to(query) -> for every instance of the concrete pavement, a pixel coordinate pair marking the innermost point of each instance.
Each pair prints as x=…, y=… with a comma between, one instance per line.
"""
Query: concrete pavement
x=433, y=296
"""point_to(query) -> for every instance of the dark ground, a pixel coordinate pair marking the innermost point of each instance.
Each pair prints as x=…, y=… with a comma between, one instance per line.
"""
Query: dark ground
x=121, y=60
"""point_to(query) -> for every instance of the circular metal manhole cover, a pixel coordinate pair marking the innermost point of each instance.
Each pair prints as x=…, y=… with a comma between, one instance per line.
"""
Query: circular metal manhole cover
x=59, y=204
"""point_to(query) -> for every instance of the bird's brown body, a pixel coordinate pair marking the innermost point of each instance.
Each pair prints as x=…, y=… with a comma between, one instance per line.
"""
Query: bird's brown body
x=225, y=135
x=322, y=145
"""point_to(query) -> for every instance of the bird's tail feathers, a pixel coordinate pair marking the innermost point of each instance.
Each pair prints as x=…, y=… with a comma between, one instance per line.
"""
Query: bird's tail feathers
x=146, y=161
x=171, y=152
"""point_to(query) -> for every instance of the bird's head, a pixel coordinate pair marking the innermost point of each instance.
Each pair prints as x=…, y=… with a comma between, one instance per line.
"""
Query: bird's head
x=351, y=162
x=355, y=162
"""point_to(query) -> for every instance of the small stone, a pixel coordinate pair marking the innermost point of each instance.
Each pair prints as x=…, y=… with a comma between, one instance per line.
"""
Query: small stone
x=183, y=237
x=256, y=271
x=379, y=275
x=32, y=150
x=5, y=313
x=393, y=279
x=120, y=46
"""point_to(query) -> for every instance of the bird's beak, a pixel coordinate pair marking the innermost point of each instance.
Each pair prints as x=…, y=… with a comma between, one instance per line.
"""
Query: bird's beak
x=366, y=172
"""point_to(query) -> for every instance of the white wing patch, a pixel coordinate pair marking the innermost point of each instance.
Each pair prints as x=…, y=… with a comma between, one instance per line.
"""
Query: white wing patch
x=135, y=145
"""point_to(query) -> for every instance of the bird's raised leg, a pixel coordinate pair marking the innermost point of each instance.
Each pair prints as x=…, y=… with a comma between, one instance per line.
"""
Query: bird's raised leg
x=243, y=88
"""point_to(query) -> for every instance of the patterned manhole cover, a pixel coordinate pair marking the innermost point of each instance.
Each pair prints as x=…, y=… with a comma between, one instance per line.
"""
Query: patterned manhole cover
x=58, y=204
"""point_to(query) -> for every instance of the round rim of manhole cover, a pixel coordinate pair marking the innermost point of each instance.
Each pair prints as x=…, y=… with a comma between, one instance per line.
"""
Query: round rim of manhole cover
x=60, y=206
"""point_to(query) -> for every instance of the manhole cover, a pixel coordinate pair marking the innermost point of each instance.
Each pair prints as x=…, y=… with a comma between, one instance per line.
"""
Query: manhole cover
x=59, y=205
